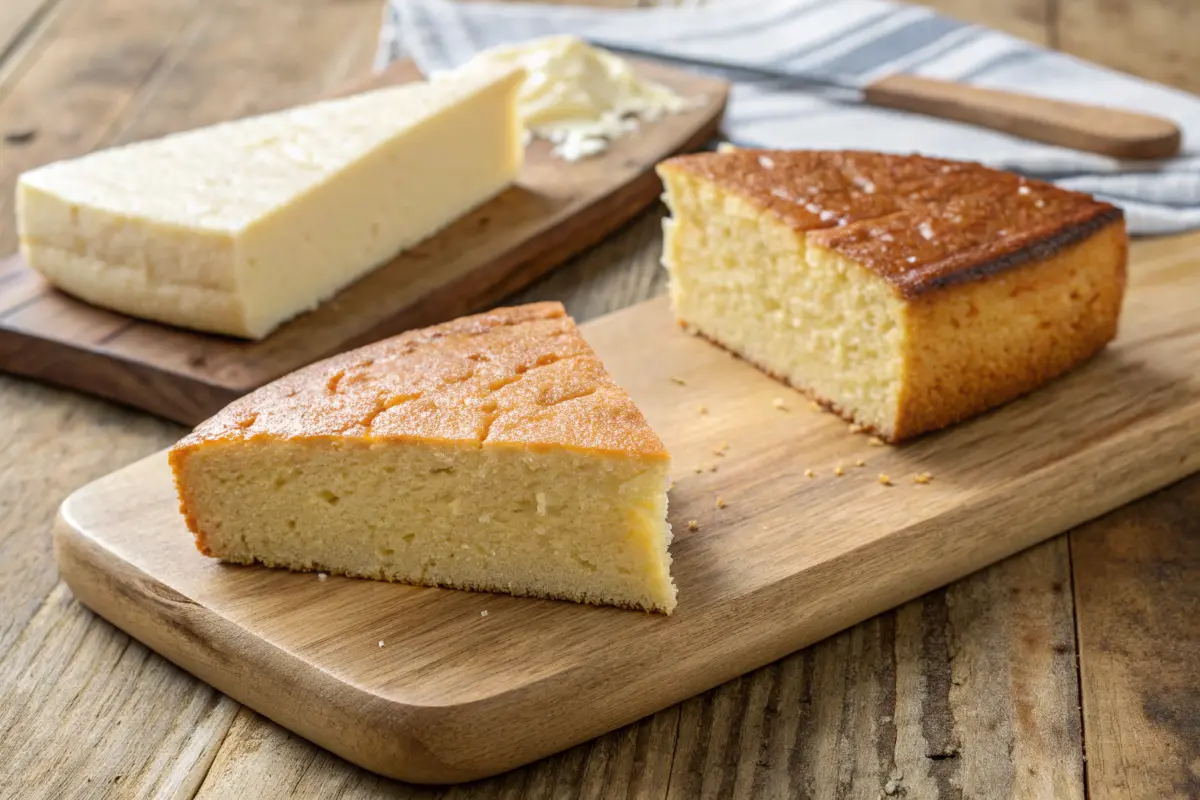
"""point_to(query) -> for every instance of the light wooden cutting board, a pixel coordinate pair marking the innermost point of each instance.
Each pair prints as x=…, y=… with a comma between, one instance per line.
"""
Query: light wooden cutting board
x=555, y=210
x=453, y=695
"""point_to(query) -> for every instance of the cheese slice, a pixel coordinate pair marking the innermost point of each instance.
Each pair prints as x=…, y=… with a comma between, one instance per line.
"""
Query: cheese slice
x=238, y=227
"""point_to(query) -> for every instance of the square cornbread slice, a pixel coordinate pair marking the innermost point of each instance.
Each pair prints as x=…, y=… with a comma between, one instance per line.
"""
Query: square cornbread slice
x=905, y=293
x=492, y=453
x=238, y=227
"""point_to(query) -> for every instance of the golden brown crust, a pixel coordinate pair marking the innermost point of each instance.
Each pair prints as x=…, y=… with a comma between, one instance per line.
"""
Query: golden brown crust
x=520, y=376
x=920, y=223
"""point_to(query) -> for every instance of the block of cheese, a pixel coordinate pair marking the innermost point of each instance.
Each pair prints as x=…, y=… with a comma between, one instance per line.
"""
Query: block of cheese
x=238, y=227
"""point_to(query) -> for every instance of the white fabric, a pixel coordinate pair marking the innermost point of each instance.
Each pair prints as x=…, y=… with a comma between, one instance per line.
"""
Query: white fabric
x=860, y=40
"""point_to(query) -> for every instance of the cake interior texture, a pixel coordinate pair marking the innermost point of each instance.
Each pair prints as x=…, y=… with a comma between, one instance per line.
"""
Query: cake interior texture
x=501, y=519
x=492, y=453
x=789, y=268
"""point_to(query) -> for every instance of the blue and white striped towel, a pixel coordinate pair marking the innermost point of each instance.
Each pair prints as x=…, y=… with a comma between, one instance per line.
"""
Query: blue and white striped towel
x=862, y=40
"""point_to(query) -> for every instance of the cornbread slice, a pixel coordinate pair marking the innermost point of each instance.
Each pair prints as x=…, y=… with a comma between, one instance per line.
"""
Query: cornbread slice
x=238, y=227
x=491, y=453
x=905, y=293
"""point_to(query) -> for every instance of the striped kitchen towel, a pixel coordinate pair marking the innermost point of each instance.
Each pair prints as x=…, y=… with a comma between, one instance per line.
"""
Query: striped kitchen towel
x=862, y=40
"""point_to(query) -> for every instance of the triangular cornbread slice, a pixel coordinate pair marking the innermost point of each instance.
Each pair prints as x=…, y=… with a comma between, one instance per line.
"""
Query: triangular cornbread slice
x=492, y=453
x=906, y=293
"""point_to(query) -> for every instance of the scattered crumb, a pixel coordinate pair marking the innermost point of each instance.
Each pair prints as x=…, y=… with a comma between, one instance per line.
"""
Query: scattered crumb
x=839, y=471
x=720, y=451
x=713, y=468
x=922, y=477
x=483, y=613
x=721, y=503
x=860, y=463
x=856, y=428
x=808, y=473
x=875, y=441
x=778, y=403
x=680, y=381
x=698, y=470
x=815, y=406
x=322, y=576
x=884, y=479
x=693, y=525
x=381, y=642
x=702, y=409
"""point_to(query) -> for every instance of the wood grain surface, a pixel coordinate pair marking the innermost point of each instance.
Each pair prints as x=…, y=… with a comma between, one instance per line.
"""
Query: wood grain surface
x=777, y=561
x=136, y=68
x=554, y=210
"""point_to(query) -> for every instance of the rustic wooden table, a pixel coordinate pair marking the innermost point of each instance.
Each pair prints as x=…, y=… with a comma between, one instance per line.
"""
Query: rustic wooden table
x=996, y=686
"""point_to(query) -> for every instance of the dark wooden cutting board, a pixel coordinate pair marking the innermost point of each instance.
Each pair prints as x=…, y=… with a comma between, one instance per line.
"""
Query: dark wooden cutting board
x=556, y=210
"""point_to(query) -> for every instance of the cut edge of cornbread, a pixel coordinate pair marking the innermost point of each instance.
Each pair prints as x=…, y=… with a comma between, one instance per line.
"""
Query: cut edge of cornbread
x=491, y=453
x=897, y=365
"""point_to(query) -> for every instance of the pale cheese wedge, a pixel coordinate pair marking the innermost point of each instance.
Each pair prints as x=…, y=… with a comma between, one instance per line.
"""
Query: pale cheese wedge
x=238, y=227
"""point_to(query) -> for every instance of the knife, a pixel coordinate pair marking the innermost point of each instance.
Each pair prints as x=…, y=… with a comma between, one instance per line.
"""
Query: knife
x=1092, y=128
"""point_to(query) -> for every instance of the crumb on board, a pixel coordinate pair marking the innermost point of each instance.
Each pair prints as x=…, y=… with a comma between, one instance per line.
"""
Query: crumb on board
x=808, y=473
x=322, y=576
x=713, y=468
x=814, y=406
x=860, y=463
x=483, y=613
x=703, y=409
x=721, y=502
x=692, y=525
x=678, y=380
x=875, y=441
x=884, y=479
x=698, y=470
x=839, y=471
x=922, y=477
x=856, y=428
x=381, y=642
x=720, y=451
x=778, y=403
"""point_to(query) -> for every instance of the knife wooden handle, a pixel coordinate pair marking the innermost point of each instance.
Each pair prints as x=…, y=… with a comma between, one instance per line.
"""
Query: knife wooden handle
x=1108, y=131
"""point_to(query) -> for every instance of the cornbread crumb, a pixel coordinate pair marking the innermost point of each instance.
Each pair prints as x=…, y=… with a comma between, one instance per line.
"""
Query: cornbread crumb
x=322, y=576
x=875, y=441
x=860, y=463
x=381, y=642
x=922, y=477
x=814, y=406
x=721, y=503
x=778, y=403
x=702, y=409
x=720, y=451
x=808, y=473
x=839, y=471
x=680, y=381
x=713, y=468
x=693, y=525
x=483, y=613
x=856, y=428
x=698, y=470
x=884, y=479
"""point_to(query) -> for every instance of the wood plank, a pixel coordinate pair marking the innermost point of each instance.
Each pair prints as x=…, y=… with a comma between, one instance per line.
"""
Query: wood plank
x=138, y=727
x=555, y=210
x=1154, y=39
x=751, y=589
x=18, y=19
x=1138, y=610
x=969, y=691
x=1029, y=19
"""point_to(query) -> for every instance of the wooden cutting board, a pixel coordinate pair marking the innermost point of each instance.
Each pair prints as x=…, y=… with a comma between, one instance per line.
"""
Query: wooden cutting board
x=453, y=695
x=556, y=210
